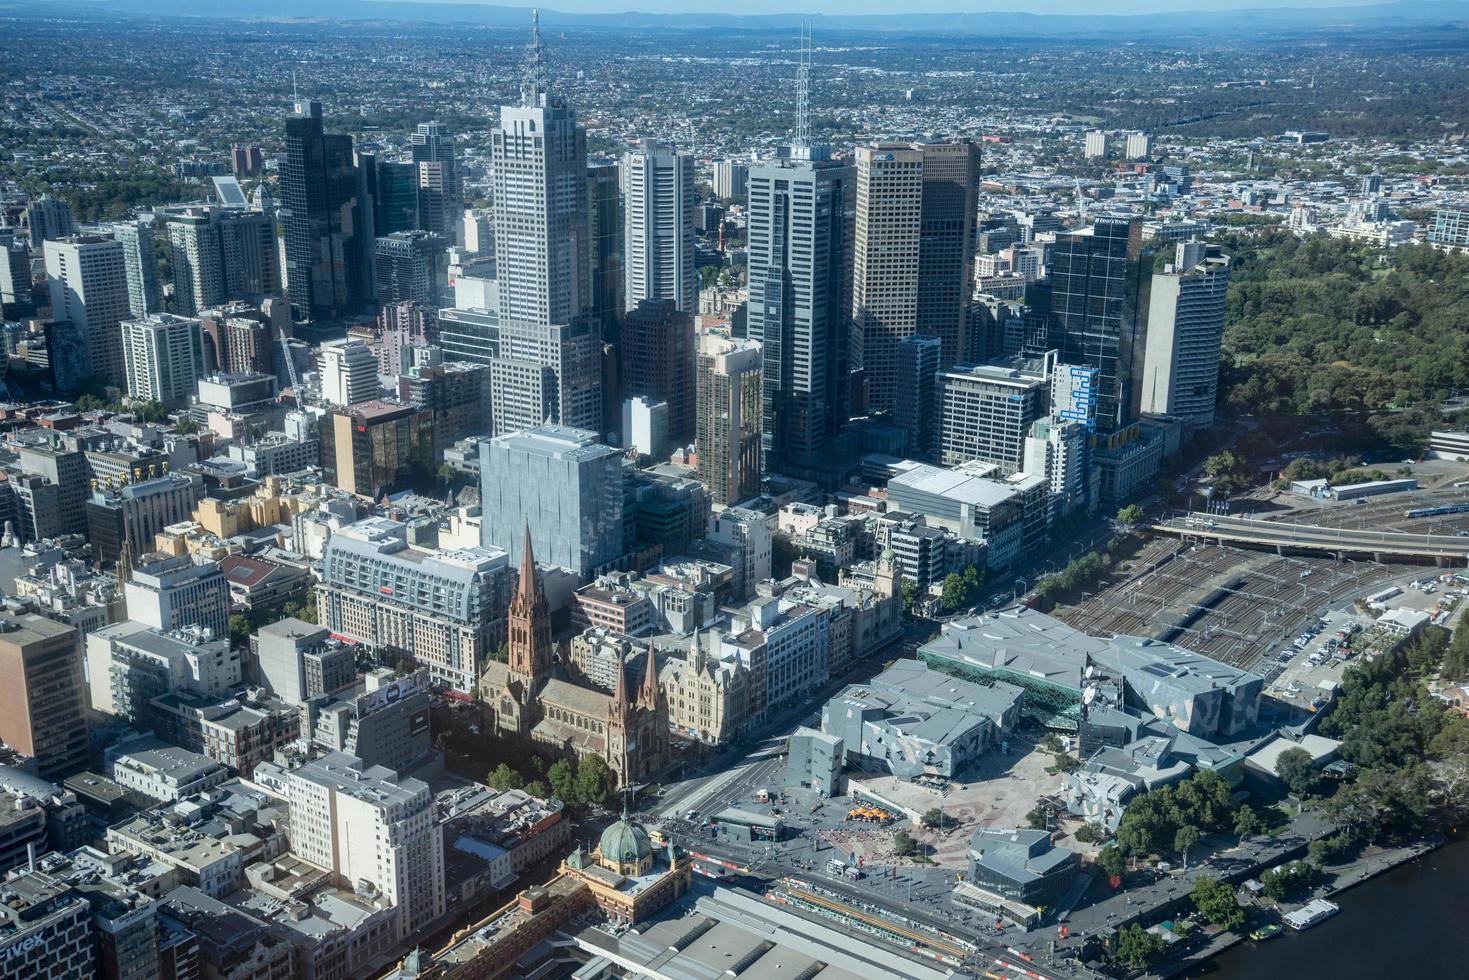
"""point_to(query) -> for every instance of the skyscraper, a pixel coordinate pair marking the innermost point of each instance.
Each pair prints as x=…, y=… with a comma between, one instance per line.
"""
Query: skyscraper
x=328, y=219
x=47, y=218
x=89, y=288
x=1180, y=373
x=889, y=221
x=728, y=427
x=437, y=167
x=946, y=246
x=198, y=266
x=1096, y=145
x=915, y=398
x=1095, y=296
x=395, y=199
x=539, y=165
x=800, y=285
x=986, y=413
x=141, y=263
x=42, y=705
x=658, y=361
x=411, y=265
x=731, y=179
x=561, y=483
x=658, y=244
x=165, y=357
x=913, y=260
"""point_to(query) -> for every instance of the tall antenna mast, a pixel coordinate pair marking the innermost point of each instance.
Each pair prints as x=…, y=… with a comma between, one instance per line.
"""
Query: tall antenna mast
x=295, y=95
x=533, y=86
x=803, y=90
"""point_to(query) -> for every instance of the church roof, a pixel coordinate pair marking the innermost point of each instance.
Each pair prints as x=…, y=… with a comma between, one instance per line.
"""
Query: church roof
x=575, y=698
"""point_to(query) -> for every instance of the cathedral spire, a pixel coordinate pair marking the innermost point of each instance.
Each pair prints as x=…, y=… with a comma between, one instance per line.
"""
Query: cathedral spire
x=648, y=696
x=526, y=588
x=618, y=708
x=528, y=620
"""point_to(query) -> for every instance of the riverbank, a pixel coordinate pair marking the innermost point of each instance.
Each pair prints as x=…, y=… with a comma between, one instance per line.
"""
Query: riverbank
x=1344, y=878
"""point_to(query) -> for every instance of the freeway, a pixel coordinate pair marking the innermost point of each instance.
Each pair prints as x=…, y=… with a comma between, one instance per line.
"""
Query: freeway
x=1244, y=531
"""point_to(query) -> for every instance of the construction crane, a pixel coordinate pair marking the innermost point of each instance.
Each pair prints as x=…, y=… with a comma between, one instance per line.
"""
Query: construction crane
x=290, y=361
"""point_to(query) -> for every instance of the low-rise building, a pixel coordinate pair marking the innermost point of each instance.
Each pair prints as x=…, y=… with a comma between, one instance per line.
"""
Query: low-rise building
x=911, y=720
x=161, y=771
x=1019, y=872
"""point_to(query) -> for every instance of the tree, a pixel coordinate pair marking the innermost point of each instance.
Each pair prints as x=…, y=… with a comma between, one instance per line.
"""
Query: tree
x=910, y=595
x=953, y=592
x=1087, y=834
x=1131, y=516
x=503, y=777
x=1287, y=880
x=935, y=817
x=1137, y=947
x=537, y=789
x=903, y=844
x=594, y=781
x=1185, y=840
x=1328, y=850
x=404, y=666
x=1216, y=902
x=1038, y=818
x=562, y=779
x=1297, y=770
x=1112, y=861
x=1248, y=823
x=185, y=425
x=240, y=630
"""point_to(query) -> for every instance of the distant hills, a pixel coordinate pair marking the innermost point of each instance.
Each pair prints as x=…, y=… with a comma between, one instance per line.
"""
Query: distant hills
x=1405, y=14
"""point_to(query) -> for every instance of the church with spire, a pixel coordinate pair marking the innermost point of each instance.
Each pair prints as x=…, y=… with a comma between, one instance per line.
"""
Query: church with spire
x=533, y=695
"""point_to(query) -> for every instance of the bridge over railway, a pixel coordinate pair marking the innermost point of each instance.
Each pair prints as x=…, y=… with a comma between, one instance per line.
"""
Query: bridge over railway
x=1283, y=537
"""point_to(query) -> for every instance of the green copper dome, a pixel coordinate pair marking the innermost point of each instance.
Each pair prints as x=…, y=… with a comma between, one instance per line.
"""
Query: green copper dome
x=624, y=842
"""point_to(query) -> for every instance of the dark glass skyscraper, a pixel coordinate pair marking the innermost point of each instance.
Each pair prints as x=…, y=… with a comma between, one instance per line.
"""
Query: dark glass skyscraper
x=396, y=202
x=328, y=220
x=1096, y=291
x=800, y=279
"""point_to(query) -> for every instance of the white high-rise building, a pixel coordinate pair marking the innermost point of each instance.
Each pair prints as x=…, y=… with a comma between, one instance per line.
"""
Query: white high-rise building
x=985, y=412
x=144, y=296
x=164, y=355
x=89, y=288
x=1185, y=334
x=373, y=829
x=1096, y=145
x=348, y=373
x=1056, y=450
x=198, y=267
x=658, y=227
x=731, y=178
x=1139, y=146
x=538, y=161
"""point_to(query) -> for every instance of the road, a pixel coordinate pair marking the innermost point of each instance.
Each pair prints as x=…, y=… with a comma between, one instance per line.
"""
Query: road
x=1332, y=540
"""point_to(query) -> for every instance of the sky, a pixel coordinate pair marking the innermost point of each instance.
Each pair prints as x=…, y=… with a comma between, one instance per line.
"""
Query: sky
x=919, y=6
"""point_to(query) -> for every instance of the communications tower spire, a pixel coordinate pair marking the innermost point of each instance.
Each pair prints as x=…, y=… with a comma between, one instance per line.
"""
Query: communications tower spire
x=533, y=86
x=803, y=90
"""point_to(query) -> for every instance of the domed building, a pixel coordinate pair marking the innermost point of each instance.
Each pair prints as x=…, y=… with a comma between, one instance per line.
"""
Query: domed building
x=628, y=875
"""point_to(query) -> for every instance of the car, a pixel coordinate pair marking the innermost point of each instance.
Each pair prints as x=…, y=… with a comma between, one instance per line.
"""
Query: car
x=691, y=815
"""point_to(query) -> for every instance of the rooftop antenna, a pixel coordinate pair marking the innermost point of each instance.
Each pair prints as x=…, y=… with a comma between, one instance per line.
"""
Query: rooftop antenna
x=803, y=90
x=533, y=87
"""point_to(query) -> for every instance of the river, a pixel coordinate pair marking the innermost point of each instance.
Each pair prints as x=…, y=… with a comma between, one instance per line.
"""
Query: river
x=1407, y=923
